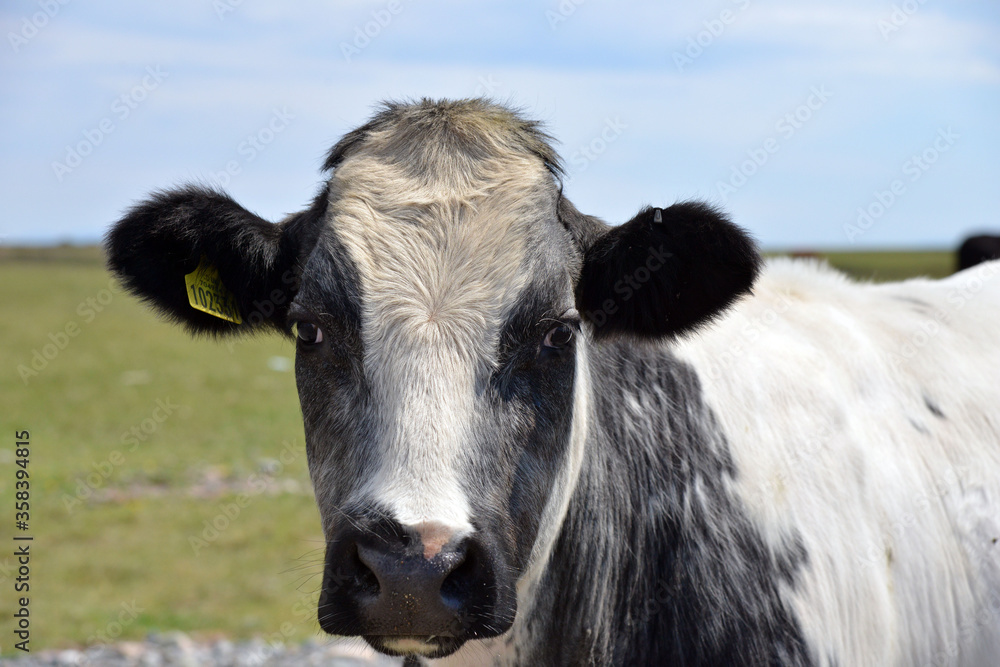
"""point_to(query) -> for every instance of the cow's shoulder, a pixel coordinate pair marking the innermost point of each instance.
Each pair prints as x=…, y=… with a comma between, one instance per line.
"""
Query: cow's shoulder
x=860, y=420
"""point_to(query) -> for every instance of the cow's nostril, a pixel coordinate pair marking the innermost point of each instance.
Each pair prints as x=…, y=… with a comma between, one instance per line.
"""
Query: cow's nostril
x=458, y=584
x=365, y=577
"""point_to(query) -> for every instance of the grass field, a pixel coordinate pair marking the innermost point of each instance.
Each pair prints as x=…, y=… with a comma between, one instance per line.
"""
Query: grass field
x=212, y=421
x=886, y=265
x=169, y=487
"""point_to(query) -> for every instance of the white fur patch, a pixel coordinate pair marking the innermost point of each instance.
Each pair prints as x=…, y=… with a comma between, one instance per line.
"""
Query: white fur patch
x=866, y=420
x=551, y=521
x=501, y=650
x=415, y=645
x=441, y=258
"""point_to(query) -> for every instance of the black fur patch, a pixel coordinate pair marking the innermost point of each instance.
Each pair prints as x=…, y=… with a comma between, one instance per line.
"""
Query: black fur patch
x=584, y=229
x=161, y=240
x=655, y=279
x=977, y=249
x=657, y=562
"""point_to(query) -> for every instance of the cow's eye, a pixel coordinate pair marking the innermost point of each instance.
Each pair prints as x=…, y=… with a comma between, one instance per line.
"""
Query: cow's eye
x=308, y=333
x=558, y=337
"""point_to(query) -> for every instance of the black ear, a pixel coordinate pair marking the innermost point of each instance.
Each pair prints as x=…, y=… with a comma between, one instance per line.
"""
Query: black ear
x=196, y=230
x=665, y=271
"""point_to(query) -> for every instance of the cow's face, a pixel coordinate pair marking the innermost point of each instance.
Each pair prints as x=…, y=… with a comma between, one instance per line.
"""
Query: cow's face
x=443, y=297
x=439, y=402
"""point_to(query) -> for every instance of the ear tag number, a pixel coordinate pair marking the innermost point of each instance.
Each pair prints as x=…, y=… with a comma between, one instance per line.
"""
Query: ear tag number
x=206, y=293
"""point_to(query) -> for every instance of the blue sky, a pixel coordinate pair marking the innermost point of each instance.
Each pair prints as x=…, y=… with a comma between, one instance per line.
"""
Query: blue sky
x=815, y=124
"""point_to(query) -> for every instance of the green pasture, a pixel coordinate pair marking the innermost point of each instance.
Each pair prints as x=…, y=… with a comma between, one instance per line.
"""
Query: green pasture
x=212, y=421
x=149, y=457
x=882, y=266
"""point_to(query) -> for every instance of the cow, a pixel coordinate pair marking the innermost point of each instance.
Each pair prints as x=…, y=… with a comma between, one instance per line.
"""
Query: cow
x=977, y=249
x=537, y=439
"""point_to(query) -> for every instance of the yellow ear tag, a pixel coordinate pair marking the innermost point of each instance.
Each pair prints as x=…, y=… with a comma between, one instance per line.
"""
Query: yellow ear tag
x=207, y=293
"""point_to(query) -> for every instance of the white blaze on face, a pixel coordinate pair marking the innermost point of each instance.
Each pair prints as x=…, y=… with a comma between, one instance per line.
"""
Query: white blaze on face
x=424, y=397
x=440, y=262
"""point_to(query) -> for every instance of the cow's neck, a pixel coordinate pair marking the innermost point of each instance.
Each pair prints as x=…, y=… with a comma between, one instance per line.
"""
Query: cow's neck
x=656, y=556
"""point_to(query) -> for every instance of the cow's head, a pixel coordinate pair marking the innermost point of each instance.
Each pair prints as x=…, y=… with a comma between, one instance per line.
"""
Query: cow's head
x=443, y=296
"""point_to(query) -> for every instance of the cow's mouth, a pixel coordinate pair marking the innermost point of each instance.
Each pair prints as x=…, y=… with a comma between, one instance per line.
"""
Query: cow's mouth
x=424, y=646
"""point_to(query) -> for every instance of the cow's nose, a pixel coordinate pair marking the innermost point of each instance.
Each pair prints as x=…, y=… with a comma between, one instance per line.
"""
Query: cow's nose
x=413, y=590
x=417, y=595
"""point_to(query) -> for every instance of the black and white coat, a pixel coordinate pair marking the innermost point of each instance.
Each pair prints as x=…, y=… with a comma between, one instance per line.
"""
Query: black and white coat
x=538, y=440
